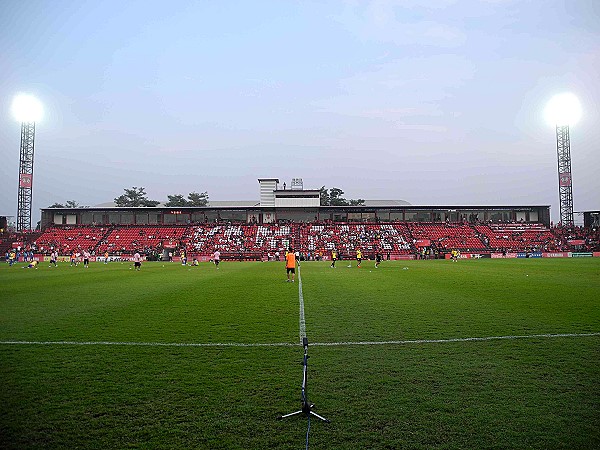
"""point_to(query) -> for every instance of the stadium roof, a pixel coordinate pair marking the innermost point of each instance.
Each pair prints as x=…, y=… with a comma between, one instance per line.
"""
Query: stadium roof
x=233, y=203
x=380, y=203
x=211, y=203
x=251, y=203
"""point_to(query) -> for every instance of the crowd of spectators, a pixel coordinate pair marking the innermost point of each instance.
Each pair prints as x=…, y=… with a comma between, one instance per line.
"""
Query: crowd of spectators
x=577, y=238
x=346, y=238
x=69, y=238
x=314, y=240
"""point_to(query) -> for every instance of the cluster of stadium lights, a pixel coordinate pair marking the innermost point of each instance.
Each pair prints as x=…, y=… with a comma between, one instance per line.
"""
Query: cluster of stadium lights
x=563, y=110
x=27, y=108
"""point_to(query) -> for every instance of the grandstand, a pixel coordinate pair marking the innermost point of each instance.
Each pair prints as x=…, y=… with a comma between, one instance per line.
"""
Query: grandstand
x=128, y=240
x=283, y=217
x=398, y=240
x=347, y=237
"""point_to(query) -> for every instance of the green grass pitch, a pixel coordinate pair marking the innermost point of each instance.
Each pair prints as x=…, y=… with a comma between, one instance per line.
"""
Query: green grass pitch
x=83, y=364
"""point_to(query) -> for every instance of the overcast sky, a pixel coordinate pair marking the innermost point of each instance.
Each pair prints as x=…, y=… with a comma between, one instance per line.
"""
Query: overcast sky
x=436, y=102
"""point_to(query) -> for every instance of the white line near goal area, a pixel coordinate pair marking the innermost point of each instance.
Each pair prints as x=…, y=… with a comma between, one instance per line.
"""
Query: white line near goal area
x=313, y=344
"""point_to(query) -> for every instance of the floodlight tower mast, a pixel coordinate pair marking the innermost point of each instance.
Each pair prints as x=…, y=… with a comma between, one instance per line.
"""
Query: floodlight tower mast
x=25, y=176
x=565, y=185
x=27, y=110
x=564, y=110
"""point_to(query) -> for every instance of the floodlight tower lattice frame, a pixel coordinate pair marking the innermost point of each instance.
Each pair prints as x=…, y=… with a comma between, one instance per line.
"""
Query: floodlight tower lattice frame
x=25, y=176
x=565, y=182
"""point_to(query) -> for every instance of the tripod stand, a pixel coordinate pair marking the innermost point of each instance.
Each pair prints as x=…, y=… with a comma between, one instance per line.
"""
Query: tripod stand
x=306, y=405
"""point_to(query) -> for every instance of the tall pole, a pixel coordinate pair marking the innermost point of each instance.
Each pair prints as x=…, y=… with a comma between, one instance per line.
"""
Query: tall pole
x=565, y=185
x=25, y=176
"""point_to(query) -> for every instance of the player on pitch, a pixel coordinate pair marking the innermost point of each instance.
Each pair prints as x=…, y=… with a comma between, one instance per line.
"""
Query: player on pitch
x=358, y=257
x=334, y=256
x=290, y=264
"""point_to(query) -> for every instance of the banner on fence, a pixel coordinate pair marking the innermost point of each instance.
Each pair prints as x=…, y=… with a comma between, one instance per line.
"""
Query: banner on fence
x=403, y=257
x=556, y=255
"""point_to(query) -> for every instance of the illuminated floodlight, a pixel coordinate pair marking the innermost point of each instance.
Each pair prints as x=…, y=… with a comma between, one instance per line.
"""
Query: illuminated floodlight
x=27, y=108
x=563, y=109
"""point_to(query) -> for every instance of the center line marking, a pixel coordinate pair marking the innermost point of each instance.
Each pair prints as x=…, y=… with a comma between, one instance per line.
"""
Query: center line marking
x=302, y=321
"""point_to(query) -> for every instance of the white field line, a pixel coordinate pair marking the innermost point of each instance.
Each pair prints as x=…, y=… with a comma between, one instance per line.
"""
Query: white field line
x=301, y=296
x=289, y=344
x=151, y=344
x=468, y=339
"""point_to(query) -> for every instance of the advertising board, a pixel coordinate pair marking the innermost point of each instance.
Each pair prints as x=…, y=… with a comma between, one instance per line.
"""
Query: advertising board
x=556, y=254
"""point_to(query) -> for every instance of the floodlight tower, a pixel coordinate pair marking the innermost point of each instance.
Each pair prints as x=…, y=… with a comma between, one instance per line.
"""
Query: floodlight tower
x=564, y=110
x=27, y=110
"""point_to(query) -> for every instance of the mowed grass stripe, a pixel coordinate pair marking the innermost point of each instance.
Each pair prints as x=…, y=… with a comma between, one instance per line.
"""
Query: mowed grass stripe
x=250, y=302
x=173, y=303
x=442, y=300
x=536, y=394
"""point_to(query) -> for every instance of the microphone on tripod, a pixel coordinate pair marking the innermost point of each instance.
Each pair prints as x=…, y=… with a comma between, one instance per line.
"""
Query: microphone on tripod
x=306, y=405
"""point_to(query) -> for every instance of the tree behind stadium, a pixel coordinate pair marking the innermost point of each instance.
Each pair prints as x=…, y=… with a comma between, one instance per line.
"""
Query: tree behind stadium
x=69, y=204
x=333, y=197
x=194, y=199
x=135, y=197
